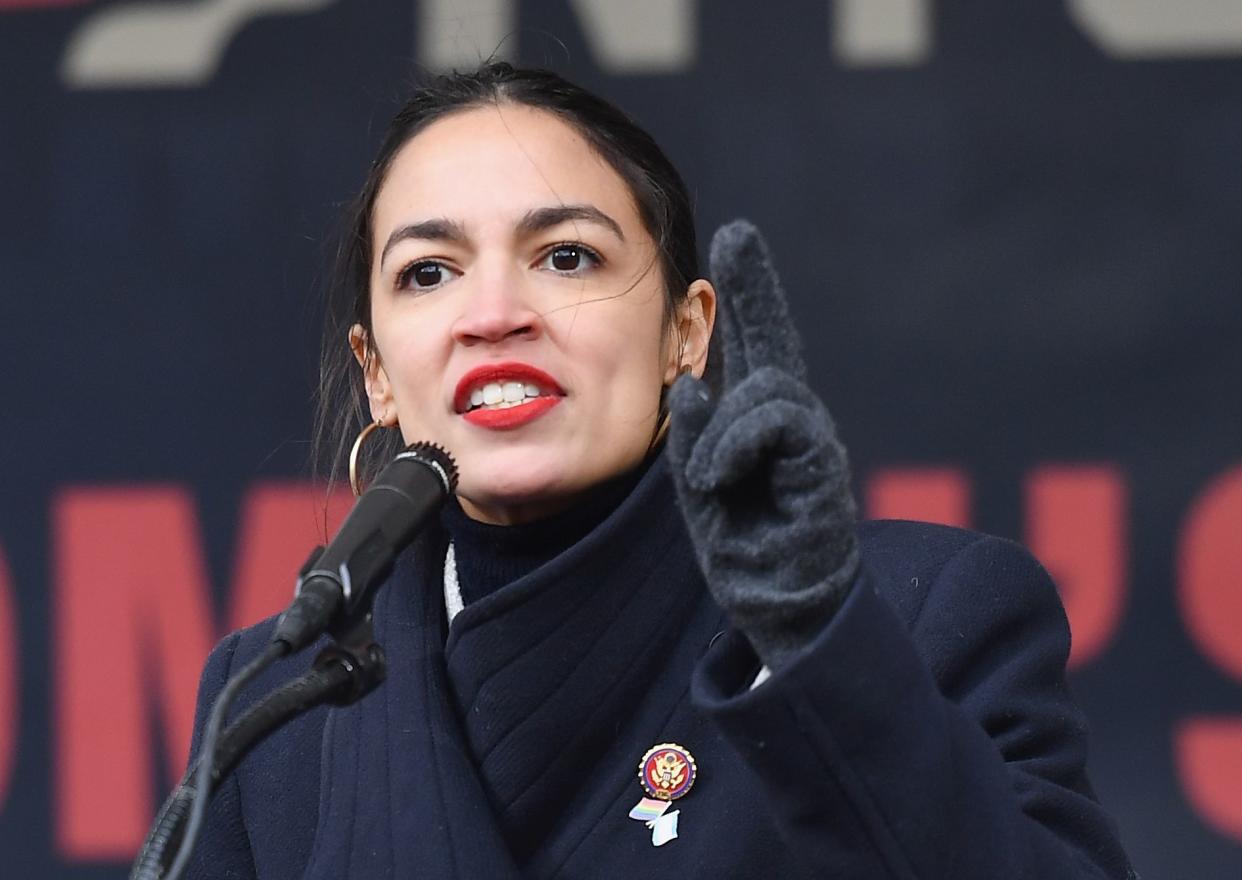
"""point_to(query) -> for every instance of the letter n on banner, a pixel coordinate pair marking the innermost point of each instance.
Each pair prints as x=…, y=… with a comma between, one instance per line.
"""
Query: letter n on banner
x=134, y=623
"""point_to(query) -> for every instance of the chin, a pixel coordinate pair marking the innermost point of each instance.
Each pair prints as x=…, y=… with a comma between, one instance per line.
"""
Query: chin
x=515, y=479
x=523, y=484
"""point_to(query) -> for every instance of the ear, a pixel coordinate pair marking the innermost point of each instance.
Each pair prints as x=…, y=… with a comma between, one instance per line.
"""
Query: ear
x=692, y=331
x=379, y=389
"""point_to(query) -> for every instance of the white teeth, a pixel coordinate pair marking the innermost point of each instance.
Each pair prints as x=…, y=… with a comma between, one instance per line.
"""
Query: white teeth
x=514, y=391
x=496, y=395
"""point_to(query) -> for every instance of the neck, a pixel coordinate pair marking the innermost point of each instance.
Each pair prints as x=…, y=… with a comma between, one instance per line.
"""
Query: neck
x=490, y=555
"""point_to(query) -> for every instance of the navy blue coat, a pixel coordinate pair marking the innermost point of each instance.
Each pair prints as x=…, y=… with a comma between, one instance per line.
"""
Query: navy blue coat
x=927, y=732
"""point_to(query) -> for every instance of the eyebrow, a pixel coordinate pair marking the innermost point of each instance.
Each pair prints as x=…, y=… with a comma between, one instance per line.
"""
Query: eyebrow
x=438, y=229
x=545, y=218
x=537, y=220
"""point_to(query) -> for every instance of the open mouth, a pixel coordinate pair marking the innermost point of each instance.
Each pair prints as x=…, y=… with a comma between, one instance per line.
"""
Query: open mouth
x=497, y=395
x=505, y=395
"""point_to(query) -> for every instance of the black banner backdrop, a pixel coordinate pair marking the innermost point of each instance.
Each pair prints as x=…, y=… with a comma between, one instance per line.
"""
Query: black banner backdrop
x=1010, y=231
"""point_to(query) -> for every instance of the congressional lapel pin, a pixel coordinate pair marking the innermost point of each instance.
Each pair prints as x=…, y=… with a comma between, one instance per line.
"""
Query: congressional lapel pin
x=667, y=772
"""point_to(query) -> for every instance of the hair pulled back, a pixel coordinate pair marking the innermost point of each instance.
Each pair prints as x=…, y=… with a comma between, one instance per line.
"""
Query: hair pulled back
x=660, y=195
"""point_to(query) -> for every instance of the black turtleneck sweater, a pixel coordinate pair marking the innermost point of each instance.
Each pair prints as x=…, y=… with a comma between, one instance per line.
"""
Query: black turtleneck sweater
x=490, y=556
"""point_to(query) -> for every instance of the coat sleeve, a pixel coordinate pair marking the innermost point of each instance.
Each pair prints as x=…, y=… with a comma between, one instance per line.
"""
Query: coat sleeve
x=223, y=849
x=946, y=749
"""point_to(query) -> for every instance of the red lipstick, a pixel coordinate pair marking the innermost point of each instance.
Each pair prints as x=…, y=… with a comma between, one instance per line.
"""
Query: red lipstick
x=550, y=394
x=512, y=416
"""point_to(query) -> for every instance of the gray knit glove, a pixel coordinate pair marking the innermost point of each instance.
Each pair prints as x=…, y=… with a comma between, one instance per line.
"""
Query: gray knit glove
x=762, y=479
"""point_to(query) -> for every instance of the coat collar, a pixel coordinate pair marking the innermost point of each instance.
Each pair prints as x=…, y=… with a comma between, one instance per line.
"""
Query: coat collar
x=470, y=758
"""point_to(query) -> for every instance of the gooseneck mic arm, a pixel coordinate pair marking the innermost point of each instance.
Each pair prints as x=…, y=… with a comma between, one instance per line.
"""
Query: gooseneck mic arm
x=335, y=592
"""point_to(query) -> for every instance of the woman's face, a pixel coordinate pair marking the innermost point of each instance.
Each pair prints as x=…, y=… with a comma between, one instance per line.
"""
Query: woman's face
x=517, y=308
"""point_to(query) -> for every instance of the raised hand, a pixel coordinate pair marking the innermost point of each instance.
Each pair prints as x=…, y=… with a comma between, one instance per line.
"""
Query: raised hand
x=762, y=479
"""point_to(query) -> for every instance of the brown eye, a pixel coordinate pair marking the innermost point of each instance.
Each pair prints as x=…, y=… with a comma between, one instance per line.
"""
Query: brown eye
x=425, y=275
x=570, y=259
x=566, y=259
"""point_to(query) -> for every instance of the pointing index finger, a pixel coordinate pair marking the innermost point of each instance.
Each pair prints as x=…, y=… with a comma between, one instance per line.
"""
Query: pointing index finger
x=754, y=316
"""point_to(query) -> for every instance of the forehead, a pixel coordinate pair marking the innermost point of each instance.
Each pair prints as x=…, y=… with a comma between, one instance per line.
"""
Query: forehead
x=494, y=163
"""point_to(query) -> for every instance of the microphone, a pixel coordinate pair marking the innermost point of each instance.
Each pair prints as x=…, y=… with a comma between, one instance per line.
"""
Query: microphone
x=407, y=492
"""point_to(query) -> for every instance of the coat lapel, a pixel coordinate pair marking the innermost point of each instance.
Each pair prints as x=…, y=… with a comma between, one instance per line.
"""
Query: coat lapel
x=565, y=677
x=400, y=797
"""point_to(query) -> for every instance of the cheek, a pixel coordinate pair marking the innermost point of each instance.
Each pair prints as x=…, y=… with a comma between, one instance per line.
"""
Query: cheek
x=409, y=354
x=627, y=357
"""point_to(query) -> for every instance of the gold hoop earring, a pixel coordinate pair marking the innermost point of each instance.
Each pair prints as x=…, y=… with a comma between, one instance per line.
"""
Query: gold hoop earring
x=665, y=415
x=661, y=429
x=353, y=454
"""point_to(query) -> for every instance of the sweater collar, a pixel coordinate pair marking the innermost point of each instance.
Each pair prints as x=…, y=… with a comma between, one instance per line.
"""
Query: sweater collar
x=490, y=556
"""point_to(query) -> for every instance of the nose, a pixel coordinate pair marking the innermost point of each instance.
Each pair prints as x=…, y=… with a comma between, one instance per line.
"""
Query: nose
x=497, y=307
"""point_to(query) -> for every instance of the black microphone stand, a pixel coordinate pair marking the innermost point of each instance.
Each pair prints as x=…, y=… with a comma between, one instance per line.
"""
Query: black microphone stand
x=336, y=592
x=342, y=673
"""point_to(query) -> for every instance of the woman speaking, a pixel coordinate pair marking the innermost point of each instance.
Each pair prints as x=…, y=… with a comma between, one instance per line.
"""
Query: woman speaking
x=648, y=637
